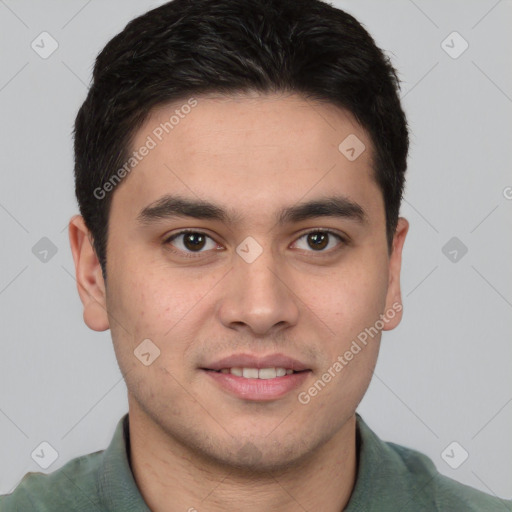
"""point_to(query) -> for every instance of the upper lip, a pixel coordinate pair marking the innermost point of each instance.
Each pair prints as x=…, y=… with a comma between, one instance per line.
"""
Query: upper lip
x=253, y=361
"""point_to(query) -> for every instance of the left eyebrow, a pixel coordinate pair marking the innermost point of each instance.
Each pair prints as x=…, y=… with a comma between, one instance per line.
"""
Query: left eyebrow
x=333, y=206
x=171, y=206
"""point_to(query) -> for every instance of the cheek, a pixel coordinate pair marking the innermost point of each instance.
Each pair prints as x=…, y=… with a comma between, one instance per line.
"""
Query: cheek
x=350, y=303
x=157, y=304
x=152, y=299
x=349, y=297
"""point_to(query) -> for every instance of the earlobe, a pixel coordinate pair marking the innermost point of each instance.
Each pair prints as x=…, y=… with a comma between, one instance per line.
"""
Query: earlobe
x=394, y=296
x=89, y=278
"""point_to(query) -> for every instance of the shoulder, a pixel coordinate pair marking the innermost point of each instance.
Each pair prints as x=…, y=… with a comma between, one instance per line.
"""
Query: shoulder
x=394, y=477
x=74, y=487
x=442, y=493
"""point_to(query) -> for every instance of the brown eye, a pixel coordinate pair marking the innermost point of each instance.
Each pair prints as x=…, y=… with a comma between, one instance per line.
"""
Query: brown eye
x=194, y=241
x=191, y=241
x=319, y=240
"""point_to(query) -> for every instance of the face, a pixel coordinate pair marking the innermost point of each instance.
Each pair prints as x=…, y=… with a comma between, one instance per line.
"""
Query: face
x=286, y=267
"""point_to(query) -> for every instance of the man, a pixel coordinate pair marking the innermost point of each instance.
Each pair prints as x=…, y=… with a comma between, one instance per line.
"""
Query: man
x=239, y=171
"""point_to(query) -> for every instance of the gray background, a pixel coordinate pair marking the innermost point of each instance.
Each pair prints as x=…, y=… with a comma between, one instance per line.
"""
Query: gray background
x=443, y=374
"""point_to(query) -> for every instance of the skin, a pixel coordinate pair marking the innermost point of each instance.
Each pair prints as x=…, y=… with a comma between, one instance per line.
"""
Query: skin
x=193, y=445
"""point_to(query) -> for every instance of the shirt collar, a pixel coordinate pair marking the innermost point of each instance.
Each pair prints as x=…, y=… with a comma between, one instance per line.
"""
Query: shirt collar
x=117, y=488
x=383, y=479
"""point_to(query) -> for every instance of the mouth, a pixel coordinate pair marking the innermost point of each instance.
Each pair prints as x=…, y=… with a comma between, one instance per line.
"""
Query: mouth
x=257, y=373
x=257, y=384
x=255, y=377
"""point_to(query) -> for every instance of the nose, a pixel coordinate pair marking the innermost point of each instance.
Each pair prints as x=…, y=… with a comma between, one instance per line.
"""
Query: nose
x=257, y=297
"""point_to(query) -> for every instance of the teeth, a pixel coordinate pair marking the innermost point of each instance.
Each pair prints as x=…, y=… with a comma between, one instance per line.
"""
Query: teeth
x=267, y=373
x=237, y=371
x=250, y=373
x=255, y=373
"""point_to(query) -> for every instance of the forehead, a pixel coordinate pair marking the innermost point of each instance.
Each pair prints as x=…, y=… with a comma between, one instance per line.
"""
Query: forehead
x=250, y=152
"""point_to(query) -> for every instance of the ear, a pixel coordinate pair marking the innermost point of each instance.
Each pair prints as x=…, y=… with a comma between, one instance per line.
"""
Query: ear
x=394, y=296
x=89, y=278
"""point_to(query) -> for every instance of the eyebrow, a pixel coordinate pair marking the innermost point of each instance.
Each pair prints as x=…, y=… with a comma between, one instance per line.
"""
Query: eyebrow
x=171, y=206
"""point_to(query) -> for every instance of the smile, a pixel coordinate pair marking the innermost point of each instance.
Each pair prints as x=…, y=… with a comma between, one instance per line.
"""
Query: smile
x=257, y=373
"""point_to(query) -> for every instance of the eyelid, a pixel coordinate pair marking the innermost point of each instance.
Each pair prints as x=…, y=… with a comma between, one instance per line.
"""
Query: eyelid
x=185, y=232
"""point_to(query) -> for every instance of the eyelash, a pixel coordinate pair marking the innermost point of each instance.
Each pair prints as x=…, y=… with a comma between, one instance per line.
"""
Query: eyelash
x=191, y=254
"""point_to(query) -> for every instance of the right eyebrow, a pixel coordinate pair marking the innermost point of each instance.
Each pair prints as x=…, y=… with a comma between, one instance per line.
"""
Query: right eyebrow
x=170, y=206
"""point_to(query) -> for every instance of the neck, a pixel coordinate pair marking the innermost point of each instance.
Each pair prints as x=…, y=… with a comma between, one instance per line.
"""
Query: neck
x=172, y=478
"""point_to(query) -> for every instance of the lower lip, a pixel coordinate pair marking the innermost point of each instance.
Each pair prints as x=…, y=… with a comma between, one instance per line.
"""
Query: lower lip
x=258, y=389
